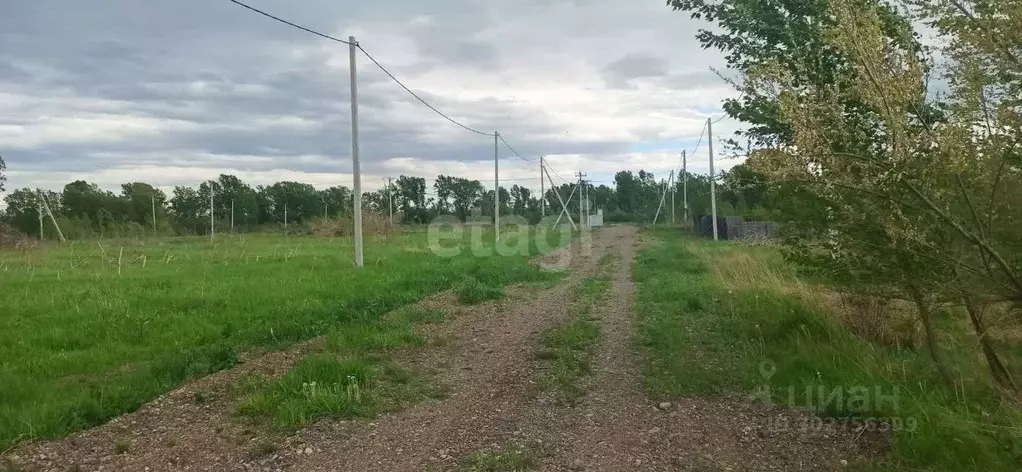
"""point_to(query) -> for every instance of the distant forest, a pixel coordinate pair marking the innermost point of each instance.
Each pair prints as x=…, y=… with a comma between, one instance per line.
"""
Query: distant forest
x=84, y=210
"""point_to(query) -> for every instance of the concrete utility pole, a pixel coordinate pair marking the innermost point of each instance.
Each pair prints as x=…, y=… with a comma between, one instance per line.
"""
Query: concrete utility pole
x=390, y=194
x=285, y=217
x=46, y=206
x=684, y=185
x=564, y=208
x=663, y=197
x=581, y=222
x=713, y=178
x=354, y=153
x=588, y=193
x=496, y=188
x=39, y=206
x=674, y=192
x=211, y=229
x=585, y=200
x=152, y=199
x=232, y=215
x=542, y=190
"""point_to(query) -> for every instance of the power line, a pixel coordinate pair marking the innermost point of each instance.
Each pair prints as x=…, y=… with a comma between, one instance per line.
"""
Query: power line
x=424, y=102
x=371, y=58
x=700, y=143
x=317, y=33
x=512, y=149
x=551, y=169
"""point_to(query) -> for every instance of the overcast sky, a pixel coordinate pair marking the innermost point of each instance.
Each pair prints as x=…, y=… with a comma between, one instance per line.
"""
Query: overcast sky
x=173, y=93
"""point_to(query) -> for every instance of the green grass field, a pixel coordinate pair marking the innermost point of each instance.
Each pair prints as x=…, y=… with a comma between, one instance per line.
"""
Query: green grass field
x=92, y=330
x=723, y=318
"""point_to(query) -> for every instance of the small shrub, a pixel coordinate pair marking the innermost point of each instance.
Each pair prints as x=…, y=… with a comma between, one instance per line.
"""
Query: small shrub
x=202, y=396
x=122, y=446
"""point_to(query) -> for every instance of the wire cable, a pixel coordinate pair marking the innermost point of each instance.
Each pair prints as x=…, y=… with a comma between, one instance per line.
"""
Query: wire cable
x=424, y=102
x=317, y=33
x=700, y=143
x=512, y=149
x=551, y=169
x=359, y=46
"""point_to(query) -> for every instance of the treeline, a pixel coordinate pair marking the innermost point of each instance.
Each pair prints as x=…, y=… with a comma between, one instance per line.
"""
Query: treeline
x=84, y=210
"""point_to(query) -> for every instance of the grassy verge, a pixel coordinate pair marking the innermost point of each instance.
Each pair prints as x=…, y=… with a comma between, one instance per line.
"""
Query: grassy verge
x=566, y=349
x=709, y=328
x=91, y=331
x=352, y=378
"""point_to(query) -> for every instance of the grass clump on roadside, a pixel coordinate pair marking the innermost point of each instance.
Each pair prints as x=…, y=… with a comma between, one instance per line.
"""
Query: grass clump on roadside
x=592, y=289
x=514, y=458
x=566, y=350
x=472, y=292
x=565, y=357
x=706, y=332
x=609, y=259
x=325, y=385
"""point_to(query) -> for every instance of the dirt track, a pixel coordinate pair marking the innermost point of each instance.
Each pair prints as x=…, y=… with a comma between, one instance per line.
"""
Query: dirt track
x=489, y=363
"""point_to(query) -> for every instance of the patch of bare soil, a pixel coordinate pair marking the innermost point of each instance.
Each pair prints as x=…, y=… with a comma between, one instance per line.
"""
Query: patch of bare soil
x=487, y=360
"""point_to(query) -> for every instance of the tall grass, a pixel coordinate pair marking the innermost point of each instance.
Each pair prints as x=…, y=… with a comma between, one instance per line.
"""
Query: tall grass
x=91, y=331
x=714, y=322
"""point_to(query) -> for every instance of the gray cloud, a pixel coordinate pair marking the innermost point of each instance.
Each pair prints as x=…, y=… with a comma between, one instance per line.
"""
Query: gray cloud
x=120, y=84
x=620, y=73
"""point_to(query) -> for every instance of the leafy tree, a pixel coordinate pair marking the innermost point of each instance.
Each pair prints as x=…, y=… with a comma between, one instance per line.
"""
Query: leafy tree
x=458, y=195
x=23, y=210
x=603, y=197
x=376, y=202
x=337, y=201
x=235, y=199
x=140, y=198
x=188, y=209
x=411, y=199
x=301, y=201
x=3, y=174
x=93, y=208
x=791, y=34
x=485, y=202
x=628, y=192
x=904, y=193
